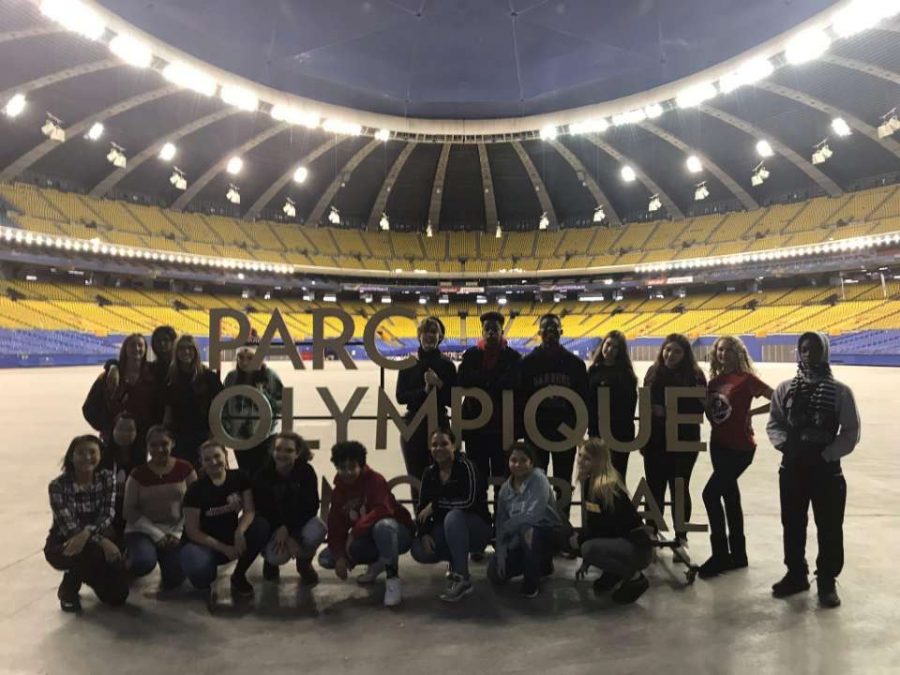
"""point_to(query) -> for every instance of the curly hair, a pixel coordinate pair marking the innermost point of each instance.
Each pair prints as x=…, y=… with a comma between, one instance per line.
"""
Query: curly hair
x=744, y=362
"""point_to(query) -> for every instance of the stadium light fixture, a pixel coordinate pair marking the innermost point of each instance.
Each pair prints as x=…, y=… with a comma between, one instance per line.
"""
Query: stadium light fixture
x=190, y=78
x=840, y=127
x=544, y=222
x=290, y=208
x=429, y=232
x=655, y=204
x=301, y=174
x=502, y=300
x=233, y=195
x=15, y=106
x=95, y=132
x=234, y=166
x=695, y=95
x=599, y=215
x=498, y=232
x=480, y=300
x=239, y=97
x=630, y=117
x=334, y=216
x=628, y=174
x=807, y=46
x=178, y=179
x=653, y=111
x=167, y=152
x=701, y=192
x=385, y=299
x=889, y=124
x=340, y=127
x=133, y=52
x=423, y=300
x=764, y=149
x=859, y=16
x=384, y=223
x=291, y=115
x=760, y=174
x=75, y=16
x=383, y=135
x=694, y=165
x=53, y=130
x=594, y=125
x=116, y=156
x=822, y=152
x=548, y=133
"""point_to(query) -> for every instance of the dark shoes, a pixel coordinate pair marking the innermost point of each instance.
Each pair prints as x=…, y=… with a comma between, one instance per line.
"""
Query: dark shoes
x=271, y=572
x=791, y=584
x=308, y=575
x=716, y=565
x=828, y=596
x=630, y=590
x=530, y=589
x=240, y=587
x=606, y=582
x=68, y=593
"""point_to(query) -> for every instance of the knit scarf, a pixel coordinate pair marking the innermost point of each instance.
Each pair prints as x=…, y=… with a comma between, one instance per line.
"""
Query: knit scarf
x=814, y=383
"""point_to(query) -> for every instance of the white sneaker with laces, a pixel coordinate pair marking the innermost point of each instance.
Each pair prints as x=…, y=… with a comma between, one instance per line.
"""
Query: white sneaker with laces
x=371, y=574
x=392, y=592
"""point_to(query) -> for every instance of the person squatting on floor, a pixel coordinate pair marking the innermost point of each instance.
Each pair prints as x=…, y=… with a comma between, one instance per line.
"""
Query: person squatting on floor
x=82, y=499
x=733, y=386
x=365, y=523
x=813, y=422
x=286, y=495
x=452, y=514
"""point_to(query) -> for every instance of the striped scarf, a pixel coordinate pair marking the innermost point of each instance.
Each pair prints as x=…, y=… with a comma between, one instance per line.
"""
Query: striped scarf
x=820, y=393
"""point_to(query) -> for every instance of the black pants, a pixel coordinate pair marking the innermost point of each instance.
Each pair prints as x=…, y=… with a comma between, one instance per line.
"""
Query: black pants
x=662, y=468
x=728, y=465
x=108, y=580
x=532, y=558
x=416, y=453
x=252, y=459
x=485, y=450
x=620, y=462
x=824, y=486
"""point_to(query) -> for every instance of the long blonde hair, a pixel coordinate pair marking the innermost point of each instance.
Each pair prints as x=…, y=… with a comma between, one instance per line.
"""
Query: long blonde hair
x=744, y=362
x=604, y=481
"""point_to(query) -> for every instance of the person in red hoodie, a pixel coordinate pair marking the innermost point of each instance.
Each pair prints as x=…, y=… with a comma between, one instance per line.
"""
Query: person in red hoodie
x=365, y=522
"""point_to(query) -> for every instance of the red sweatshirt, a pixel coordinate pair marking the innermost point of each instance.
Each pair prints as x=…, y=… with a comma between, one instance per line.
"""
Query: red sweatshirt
x=356, y=507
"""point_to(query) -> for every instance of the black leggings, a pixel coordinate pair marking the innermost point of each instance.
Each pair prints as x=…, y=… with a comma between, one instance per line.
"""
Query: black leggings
x=662, y=468
x=728, y=465
x=108, y=580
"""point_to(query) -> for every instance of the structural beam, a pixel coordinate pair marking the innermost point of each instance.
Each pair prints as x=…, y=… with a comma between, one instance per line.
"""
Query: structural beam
x=487, y=182
x=11, y=35
x=600, y=198
x=59, y=76
x=384, y=192
x=325, y=200
x=437, y=188
x=538, y=183
x=862, y=67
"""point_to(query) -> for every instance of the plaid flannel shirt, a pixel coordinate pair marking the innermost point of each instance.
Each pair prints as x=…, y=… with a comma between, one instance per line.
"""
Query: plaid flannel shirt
x=90, y=507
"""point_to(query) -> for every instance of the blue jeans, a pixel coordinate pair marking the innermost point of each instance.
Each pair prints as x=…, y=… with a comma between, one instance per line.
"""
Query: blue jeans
x=143, y=555
x=461, y=533
x=531, y=558
x=385, y=542
x=310, y=537
x=200, y=563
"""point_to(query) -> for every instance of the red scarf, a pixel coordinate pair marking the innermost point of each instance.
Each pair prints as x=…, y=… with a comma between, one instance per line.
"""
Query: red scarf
x=491, y=355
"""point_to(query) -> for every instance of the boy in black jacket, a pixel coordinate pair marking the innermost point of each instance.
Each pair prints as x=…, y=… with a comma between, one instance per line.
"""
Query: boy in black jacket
x=491, y=366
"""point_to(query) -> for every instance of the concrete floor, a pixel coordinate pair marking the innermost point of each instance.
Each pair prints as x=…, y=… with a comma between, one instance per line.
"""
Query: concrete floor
x=729, y=625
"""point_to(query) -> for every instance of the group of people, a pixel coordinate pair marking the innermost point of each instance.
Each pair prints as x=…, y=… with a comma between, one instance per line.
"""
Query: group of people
x=152, y=489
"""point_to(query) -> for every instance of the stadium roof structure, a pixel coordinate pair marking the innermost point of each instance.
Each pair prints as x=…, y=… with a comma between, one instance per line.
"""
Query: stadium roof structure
x=458, y=115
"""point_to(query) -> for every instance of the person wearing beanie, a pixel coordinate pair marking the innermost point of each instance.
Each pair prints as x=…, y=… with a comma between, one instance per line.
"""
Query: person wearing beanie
x=813, y=422
x=491, y=366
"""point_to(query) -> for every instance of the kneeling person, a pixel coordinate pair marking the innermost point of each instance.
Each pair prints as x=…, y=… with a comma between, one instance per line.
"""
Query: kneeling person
x=286, y=492
x=452, y=514
x=365, y=522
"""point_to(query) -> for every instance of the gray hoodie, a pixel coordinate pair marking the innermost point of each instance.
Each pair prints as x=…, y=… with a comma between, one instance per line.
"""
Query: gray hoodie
x=532, y=504
x=846, y=414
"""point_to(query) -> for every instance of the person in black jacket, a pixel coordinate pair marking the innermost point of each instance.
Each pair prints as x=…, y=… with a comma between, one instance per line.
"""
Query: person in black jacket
x=491, y=366
x=162, y=343
x=675, y=366
x=452, y=514
x=433, y=370
x=552, y=364
x=611, y=368
x=286, y=493
x=613, y=537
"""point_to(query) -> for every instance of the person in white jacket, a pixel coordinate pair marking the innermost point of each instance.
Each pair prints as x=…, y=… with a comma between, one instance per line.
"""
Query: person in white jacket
x=152, y=508
x=814, y=422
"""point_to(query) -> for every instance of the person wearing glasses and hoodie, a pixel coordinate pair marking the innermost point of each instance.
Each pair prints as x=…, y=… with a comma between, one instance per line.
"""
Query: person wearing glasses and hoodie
x=814, y=422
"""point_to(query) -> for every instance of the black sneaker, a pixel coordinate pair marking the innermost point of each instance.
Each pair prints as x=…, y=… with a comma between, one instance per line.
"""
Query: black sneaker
x=240, y=587
x=606, y=582
x=828, y=596
x=739, y=561
x=715, y=566
x=68, y=593
x=308, y=575
x=630, y=590
x=271, y=572
x=530, y=589
x=790, y=584
x=547, y=569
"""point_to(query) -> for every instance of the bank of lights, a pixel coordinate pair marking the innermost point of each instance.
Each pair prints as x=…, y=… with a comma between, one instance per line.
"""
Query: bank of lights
x=764, y=149
x=599, y=215
x=694, y=165
x=190, y=78
x=383, y=135
x=295, y=116
x=301, y=174
x=840, y=127
x=234, y=194
x=549, y=133
x=822, y=153
x=290, y=208
x=131, y=51
x=839, y=246
x=383, y=223
x=234, y=166
x=75, y=16
x=544, y=222
x=15, y=106
x=178, y=180
x=116, y=156
x=760, y=174
x=95, y=132
x=53, y=129
x=628, y=174
x=701, y=192
x=334, y=216
x=98, y=247
x=655, y=203
x=167, y=152
x=889, y=124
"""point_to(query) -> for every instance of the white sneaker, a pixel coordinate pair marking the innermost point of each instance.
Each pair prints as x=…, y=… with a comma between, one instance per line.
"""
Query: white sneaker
x=392, y=594
x=371, y=574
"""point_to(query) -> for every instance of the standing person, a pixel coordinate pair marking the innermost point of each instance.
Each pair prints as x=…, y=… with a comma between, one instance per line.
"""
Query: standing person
x=611, y=368
x=79, y=543
x=530, y=529
x=190, y=392
x=286, y=491
x=552, y=364
x=241, y=415
x=613, y=537
x=220, y=523
x=452, y=514
x=126, y=384
x=492, y=366
x=154, y=521
x=432, y=371
x=675, y=366
x=733, y=386
x=365, y=523
x=162, y=344
x=813, y=422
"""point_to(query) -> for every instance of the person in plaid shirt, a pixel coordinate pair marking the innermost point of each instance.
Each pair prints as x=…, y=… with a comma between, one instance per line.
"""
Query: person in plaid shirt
x=82, y=499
